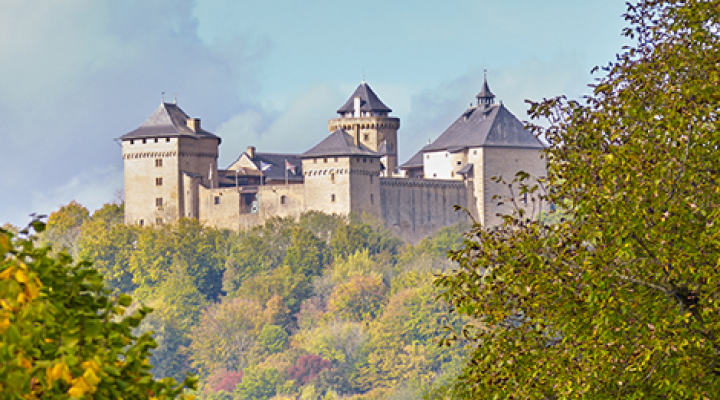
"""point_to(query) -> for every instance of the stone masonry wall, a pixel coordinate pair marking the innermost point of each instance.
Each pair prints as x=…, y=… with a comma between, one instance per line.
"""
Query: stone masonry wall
x=415, y=208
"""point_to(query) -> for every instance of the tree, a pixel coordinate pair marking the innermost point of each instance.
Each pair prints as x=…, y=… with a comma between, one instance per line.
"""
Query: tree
x=62, y=336
x=307, y=368
x=360, y=298
x=63, y=227
x=258, y=384
x=186, y=241
x=226, y=334
x=621, y=299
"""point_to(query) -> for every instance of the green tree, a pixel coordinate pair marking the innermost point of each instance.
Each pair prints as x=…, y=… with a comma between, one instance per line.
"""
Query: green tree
x=258, y=384
x=352, y=237
x=621, y=300
x=62, y=336
x=307, y=254
x=187, y=241
x=271, y=340
x=110, y=246
x=258, y=250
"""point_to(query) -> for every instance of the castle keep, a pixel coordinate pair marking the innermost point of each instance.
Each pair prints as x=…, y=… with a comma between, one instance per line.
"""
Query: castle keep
x=171, y=170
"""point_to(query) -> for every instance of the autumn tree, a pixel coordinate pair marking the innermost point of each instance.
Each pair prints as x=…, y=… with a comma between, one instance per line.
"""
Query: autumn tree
x=63, y=227
x=62, y=336
x=226, y=334
x=621, y=299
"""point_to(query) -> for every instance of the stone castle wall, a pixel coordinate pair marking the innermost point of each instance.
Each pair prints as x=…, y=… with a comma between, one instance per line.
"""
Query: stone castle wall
x=414, y=208
x=497, y=162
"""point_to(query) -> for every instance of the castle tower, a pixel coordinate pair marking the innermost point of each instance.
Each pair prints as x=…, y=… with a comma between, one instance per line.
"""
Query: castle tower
x=342, y=176
x=366, y=118
x=165, y=159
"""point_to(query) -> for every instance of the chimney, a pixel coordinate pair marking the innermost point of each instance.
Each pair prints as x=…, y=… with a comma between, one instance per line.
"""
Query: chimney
x=356, y=104
x=357, y=134
x=194, y=124
x=250, y=152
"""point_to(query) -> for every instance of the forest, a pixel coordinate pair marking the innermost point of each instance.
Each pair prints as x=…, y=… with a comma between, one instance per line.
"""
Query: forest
x=322, y=307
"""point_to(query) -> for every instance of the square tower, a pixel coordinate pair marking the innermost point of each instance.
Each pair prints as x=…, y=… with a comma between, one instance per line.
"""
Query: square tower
x=161, y=157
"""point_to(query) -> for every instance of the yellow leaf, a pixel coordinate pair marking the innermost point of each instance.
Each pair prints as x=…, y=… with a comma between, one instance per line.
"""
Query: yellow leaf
x=7, y=273
x=91, y=378
x=4, y=322
x=21, y=276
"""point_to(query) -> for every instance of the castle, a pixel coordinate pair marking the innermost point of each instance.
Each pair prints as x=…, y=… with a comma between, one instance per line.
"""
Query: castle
x=171, y=170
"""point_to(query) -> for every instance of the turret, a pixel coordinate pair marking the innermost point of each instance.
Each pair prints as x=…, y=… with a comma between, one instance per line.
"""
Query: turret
x=366, y=118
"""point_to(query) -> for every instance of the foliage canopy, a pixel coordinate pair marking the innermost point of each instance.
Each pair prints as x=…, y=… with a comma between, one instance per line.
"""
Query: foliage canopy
x=621, y=300
x=62, y=336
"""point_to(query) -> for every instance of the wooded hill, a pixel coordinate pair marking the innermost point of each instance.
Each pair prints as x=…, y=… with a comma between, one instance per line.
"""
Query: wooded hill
x=322, y=307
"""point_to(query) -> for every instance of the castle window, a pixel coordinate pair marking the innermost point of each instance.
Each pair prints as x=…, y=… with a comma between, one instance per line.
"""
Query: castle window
x=142, y=222
x=315, y=160
x=144, y=141
x=217, y=200
x=158, y=162
x=427, y=156
x=452, y=174
x=155, y=140
x=525, y=198
x=372, y=198
x=158, y=181
x=283, y=199
x=325, y=160
x=167, y=140
x=474, y=152
x=447, y=154
x=332, y=198
x=434, y=175
x=158, y=221
x=459, y=162
x=158, y=202
x=366, y=137
x=336, y=159
x=371, y=161
x=132, y=142
x=371, y=179
x=332, y=177
x=364, y=159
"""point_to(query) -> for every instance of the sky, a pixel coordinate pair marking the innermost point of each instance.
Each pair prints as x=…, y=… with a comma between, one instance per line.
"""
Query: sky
x=77, y=74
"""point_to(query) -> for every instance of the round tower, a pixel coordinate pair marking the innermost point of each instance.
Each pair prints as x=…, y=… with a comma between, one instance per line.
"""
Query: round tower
x=367, y=119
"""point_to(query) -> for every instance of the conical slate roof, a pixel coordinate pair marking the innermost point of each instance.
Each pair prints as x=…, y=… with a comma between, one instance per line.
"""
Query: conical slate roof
x=485, y=92
x=368, y=101
x=168, y=120
x=339, y=143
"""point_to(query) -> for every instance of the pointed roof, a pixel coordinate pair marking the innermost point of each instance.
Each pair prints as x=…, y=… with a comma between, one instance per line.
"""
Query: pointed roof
x=385, y=150
x=368, y=101
x=168, y=120
x=489, y=126
x=339, y=143
x=485, y=92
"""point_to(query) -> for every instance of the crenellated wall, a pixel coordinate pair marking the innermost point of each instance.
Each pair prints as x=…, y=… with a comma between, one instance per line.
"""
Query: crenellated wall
x=415, y=208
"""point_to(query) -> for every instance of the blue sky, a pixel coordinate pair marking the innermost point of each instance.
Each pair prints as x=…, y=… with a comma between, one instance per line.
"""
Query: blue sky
x=75, y=74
